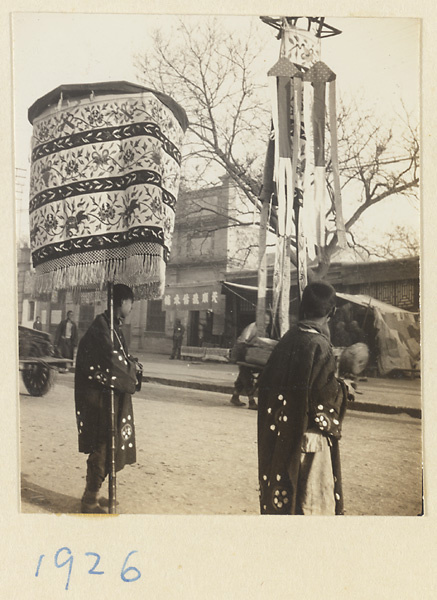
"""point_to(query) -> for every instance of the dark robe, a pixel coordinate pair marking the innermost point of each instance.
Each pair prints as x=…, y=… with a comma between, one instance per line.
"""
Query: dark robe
x=66, y=346
x=178, y=336
x=100, y=366
x=298, y=391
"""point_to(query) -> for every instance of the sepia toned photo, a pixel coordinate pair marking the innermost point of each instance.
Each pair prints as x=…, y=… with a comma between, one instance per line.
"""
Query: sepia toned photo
x=218, y=258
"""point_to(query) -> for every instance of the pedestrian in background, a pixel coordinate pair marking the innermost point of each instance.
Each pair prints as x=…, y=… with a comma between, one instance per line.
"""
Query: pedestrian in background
x=246, y=382
x=178, y=336
x=66, y=337
x=100, y=366
x=37, y=324
x=341, y=337
x=301, y=407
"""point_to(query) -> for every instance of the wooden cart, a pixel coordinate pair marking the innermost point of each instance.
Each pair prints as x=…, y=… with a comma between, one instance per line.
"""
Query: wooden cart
x=38, y=361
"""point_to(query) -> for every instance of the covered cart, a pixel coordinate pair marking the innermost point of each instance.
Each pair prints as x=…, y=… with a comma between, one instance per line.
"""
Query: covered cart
x=394, y=334
x=38, y=362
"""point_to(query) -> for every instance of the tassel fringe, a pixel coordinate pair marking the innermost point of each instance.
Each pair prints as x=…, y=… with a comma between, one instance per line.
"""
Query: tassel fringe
x=146, y=274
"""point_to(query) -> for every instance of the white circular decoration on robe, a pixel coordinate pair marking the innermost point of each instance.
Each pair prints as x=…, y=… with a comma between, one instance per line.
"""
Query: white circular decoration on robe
x=126, y=431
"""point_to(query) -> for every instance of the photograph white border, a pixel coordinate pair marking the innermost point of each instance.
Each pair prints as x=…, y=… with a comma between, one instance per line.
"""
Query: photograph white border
x=216, y=556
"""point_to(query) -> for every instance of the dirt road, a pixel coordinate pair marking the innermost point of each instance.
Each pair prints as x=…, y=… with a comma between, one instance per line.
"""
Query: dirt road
x=197, y=455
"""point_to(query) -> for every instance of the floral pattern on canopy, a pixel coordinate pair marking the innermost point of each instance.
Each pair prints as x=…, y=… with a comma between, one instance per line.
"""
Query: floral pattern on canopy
x=105, y=169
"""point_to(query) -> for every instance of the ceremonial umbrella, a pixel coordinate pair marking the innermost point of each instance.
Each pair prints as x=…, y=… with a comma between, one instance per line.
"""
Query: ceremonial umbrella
x=105, y=170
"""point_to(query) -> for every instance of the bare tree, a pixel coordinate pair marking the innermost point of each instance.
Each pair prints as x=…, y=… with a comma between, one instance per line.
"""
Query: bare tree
x=402, y=242
x=377, y=161
x=213, y=75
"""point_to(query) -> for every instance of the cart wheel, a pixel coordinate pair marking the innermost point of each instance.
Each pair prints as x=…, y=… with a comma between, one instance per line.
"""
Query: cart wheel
x=38, y=379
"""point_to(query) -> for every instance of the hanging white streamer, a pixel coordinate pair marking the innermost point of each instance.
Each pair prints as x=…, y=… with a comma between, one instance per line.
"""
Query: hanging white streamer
x=308, y=213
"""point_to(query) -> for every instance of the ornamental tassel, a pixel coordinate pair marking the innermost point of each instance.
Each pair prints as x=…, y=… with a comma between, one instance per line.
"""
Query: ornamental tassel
x=150, y=270
x=296, y=200
x=318, y=75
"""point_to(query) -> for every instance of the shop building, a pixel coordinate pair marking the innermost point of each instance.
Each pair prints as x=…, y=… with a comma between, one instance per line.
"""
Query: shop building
x=211, y=279
x=395, y=282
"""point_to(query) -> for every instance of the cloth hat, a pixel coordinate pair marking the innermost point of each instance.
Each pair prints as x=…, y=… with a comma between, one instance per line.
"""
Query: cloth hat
x=122, y=292
x=318, y=299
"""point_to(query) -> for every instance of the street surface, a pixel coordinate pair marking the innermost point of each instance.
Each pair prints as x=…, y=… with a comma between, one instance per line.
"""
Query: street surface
x=197, y=454
x=383, y=391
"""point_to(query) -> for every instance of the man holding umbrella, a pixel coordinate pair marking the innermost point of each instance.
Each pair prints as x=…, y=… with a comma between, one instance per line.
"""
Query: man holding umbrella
x=101, y=367
x=92, y=225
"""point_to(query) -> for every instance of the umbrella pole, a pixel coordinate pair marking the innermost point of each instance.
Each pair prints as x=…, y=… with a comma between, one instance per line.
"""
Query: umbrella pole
x=112, y=475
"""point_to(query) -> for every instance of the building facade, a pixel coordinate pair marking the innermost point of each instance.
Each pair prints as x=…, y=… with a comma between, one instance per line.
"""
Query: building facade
x=396, y=282
x=215, y=233
x=211, y=279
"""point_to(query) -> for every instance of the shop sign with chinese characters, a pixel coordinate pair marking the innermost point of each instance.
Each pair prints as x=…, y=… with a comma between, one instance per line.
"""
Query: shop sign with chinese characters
x=192, y=298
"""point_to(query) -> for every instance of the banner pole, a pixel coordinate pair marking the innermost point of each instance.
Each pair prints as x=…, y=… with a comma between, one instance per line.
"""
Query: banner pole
x=112, y=481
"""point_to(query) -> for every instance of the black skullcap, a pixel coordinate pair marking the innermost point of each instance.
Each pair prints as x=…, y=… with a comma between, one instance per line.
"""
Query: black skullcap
x=318, y=299
x=122, y=292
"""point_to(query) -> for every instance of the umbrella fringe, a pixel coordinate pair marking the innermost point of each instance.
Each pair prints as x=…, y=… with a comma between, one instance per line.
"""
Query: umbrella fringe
x=146, y=273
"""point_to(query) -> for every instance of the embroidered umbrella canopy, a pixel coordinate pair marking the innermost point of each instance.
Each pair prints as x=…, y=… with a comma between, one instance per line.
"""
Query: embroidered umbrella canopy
x=104, y=180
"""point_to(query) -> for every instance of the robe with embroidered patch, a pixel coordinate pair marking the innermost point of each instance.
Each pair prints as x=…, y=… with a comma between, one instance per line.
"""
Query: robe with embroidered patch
x=93, y=375
x=298, y=392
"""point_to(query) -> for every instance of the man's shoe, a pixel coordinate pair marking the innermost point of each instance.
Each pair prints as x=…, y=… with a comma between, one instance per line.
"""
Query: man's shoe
x=93, y=509
x=237, y=402
x=253, y=405
x=105, y=502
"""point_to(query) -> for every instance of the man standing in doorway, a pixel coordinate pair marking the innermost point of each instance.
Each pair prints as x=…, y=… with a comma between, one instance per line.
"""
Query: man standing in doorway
x=37, y=324
x=178, y=335
x=66, y=336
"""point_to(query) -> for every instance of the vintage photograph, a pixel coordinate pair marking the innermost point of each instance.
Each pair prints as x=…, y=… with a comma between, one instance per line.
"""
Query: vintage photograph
x=218, y=257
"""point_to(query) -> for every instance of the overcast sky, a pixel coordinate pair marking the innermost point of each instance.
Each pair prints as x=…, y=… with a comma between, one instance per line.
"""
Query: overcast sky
x=376, y=61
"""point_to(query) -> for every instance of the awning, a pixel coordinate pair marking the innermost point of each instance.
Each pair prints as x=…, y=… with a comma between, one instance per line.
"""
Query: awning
x=192, y=296
x=240, y=286
x=368, y=301
x=247, y=293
